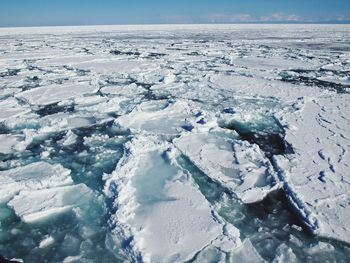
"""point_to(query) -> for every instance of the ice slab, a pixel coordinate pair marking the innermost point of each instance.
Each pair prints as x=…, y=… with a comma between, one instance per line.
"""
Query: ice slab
x=8, y=143
x=161, y=209
x=118, y=105
x=284, y=254
x=237, y=165
x=33, y=176
x=56, y=93
x=8, y=92
x=316, y=177
x=246, y=253
x=10, y=108
x=69, y=139
x=102, y=66
x=48, y=241
x=159, y=117
x=270, y=63
x=125, y=90
x=37, y=205
x=258, y=86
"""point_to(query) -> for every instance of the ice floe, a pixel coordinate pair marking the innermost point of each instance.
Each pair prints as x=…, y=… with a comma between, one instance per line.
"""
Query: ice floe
x=35, y=176
x=316, y=175
x=55, y=93
x=35, y=205
x=159, y=117
x=160, y=209
x=8, y=143
x=239, y=166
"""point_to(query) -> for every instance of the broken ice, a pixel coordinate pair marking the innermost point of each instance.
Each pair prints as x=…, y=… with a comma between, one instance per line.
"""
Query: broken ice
x=198, y=143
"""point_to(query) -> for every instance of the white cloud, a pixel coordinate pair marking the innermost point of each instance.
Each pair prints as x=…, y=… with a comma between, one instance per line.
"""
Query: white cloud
x=230, y=18
x=279, y=17
x=342, y=18
x=241, y=18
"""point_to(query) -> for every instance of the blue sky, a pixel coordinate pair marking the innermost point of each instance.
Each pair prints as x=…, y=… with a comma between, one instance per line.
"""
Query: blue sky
x=90, y=12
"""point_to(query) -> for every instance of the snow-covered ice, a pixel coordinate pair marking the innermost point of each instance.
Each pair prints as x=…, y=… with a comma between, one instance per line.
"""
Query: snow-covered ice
x=159, y=117
x=35, y=176
x=55, y=93
x=201, y=143
x=37, y=205
x=238, y=165
x=161, y=208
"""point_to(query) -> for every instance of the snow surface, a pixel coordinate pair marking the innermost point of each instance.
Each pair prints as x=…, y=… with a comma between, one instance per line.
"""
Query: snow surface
x=208, y=143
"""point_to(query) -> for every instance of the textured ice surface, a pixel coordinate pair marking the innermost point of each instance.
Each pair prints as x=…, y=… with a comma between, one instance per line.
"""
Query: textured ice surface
x=161, y=208
x=159, y=117
x=317, y=175
x=8, y=143
x=11, y=108
x=35, y=176
x=208, y=143
x=37, y=205
x=238, y=166
x=55, y=93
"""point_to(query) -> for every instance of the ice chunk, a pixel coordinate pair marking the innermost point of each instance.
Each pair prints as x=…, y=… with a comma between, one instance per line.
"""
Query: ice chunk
x=210, y=255
x=116, y=105
x=48, y=241
x=8, y=91
x=72, y=259
x=159, y=117
x=320, y=247
x=56, y=93
x=237, y=165
x=256, y=86
x=11, y=108
x=246, y=253
x=8, y=143
x=126, y=90
x=316, y=176
x=33, y=176
x=161, y=209
x=116, y=66
x=35, y=205
x=70, y=138
x=284, y=254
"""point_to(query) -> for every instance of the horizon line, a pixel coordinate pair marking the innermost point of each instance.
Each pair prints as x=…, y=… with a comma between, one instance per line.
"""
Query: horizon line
x=345, y=22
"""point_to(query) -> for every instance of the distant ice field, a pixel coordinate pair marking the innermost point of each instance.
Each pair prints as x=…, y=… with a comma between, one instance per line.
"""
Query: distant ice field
x=175, y=143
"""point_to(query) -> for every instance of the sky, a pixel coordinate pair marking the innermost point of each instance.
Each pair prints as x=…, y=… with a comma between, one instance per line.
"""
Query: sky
x=110, y=12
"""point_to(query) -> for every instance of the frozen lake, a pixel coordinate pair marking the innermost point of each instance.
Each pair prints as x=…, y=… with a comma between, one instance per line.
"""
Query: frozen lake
x=182, y=143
